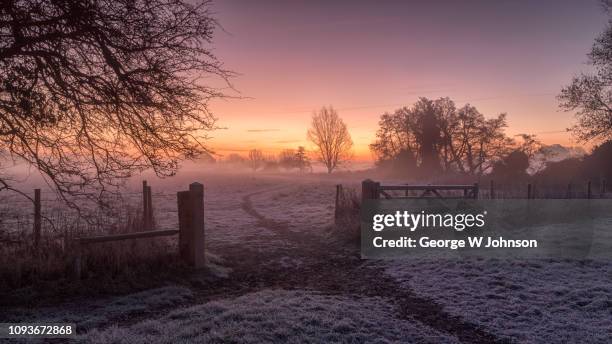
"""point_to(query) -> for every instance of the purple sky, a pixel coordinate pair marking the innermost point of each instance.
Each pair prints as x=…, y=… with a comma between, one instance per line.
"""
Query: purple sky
x=368, y=57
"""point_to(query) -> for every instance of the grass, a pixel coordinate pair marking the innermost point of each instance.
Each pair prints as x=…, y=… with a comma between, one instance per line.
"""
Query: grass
x=276, y=316
x=347, y=220
x=27, y=273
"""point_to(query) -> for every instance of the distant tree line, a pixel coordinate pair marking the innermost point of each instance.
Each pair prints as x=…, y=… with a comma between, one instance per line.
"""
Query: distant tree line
x=257, y=160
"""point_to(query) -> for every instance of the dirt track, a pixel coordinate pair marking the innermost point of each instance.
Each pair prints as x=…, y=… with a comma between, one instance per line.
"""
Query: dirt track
x=331, y=266
x=299, y=255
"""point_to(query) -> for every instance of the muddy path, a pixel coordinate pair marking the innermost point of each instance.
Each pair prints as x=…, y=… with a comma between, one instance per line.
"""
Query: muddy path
x=304, y=258
x=331, y=266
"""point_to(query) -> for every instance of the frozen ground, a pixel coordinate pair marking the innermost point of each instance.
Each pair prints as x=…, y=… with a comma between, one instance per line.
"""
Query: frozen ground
x=528, y=302
x=277, y=316
x=290, y=280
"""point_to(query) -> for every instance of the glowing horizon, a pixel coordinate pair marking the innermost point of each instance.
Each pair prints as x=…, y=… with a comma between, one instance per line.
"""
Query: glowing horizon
x=501, y=57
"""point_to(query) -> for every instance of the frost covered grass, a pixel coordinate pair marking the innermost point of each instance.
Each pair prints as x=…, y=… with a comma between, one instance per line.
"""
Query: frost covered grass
x=276, y=316
x=102, y=312
x=534, y=301
x=30, y=277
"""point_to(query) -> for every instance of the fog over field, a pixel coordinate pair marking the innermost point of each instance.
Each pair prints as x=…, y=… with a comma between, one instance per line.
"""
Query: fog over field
x=278, y=271
x=234, y=171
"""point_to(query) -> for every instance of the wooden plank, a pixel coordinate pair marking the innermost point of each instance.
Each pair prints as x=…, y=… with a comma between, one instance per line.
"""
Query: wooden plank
x=387, y=196
x=426, y=187
x=432, y=197
x=196, y=200
x=125, y=236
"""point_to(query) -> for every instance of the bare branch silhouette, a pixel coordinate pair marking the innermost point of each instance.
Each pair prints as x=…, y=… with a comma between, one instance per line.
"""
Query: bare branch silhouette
x=92, y=92
x=331, y=137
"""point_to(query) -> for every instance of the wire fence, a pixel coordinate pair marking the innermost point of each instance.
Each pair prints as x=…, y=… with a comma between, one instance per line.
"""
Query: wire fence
x=59, y=221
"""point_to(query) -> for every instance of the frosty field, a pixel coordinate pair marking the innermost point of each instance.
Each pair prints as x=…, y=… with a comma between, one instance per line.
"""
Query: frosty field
x=282, y=274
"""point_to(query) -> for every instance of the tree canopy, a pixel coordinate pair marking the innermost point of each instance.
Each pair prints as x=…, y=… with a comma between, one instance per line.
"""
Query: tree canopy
x=331, y=137
x=590, y=94
x=436, y=136
x=93, y=91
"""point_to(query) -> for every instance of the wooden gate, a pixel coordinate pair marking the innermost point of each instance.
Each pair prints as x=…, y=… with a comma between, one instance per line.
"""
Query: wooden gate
x=374, y=190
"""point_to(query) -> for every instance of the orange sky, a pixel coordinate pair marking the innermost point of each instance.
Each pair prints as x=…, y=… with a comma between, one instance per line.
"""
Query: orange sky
x=365, y=58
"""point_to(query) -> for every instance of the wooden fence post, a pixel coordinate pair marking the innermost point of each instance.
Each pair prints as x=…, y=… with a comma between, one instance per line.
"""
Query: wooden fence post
x=529, y=191
x=476, y=190
x=145, y=206
x=492, y=190
x=37, y=219
x=589, y=189
x=337, y=204
x=149, y=209
x=369, y=190
x=184, y=217
x=191, y=225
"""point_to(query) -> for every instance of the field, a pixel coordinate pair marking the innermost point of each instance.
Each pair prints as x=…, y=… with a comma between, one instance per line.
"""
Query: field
x=280, y=271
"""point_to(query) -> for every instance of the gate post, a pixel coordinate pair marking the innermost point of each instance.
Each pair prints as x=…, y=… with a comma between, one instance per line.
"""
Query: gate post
x=37, y=220
x=369, y=190
x=589, y=189
x=145, y=206
x=337, y=204
x=191, y=225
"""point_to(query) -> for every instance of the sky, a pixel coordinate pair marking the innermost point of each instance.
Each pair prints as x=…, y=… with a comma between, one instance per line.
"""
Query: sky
x=366, y=58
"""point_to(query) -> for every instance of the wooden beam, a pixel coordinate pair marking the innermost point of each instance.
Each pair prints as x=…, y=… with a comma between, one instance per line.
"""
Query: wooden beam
x=196, y=200
x=126, y=236
x=426, y=187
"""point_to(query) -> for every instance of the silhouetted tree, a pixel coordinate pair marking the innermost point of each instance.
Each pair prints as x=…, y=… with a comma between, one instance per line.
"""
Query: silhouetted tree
x=270, y=164
x=302, y=160
x=512, y=167
x=404, y=164
x=437, y=134
x=598, y=164
x=590, y=94
x=236, y=159
x=561, y=172
x=331, y=138
x=256, y=159
x=287, y=159
x=93, y=91
x=428, y=136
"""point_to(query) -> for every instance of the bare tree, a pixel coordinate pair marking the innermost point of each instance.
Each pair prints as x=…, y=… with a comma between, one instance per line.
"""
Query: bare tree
x=590, y=94
x=287, y=159
x=256, y=159
x=331, y=138
x=302, y=160
x=235, y=159
x=434, y=134
x=93, y=91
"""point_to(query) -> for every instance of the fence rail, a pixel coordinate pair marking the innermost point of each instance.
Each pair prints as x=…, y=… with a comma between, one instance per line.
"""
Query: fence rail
x=190, y=232
x=373, y=190
x=126, y=236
